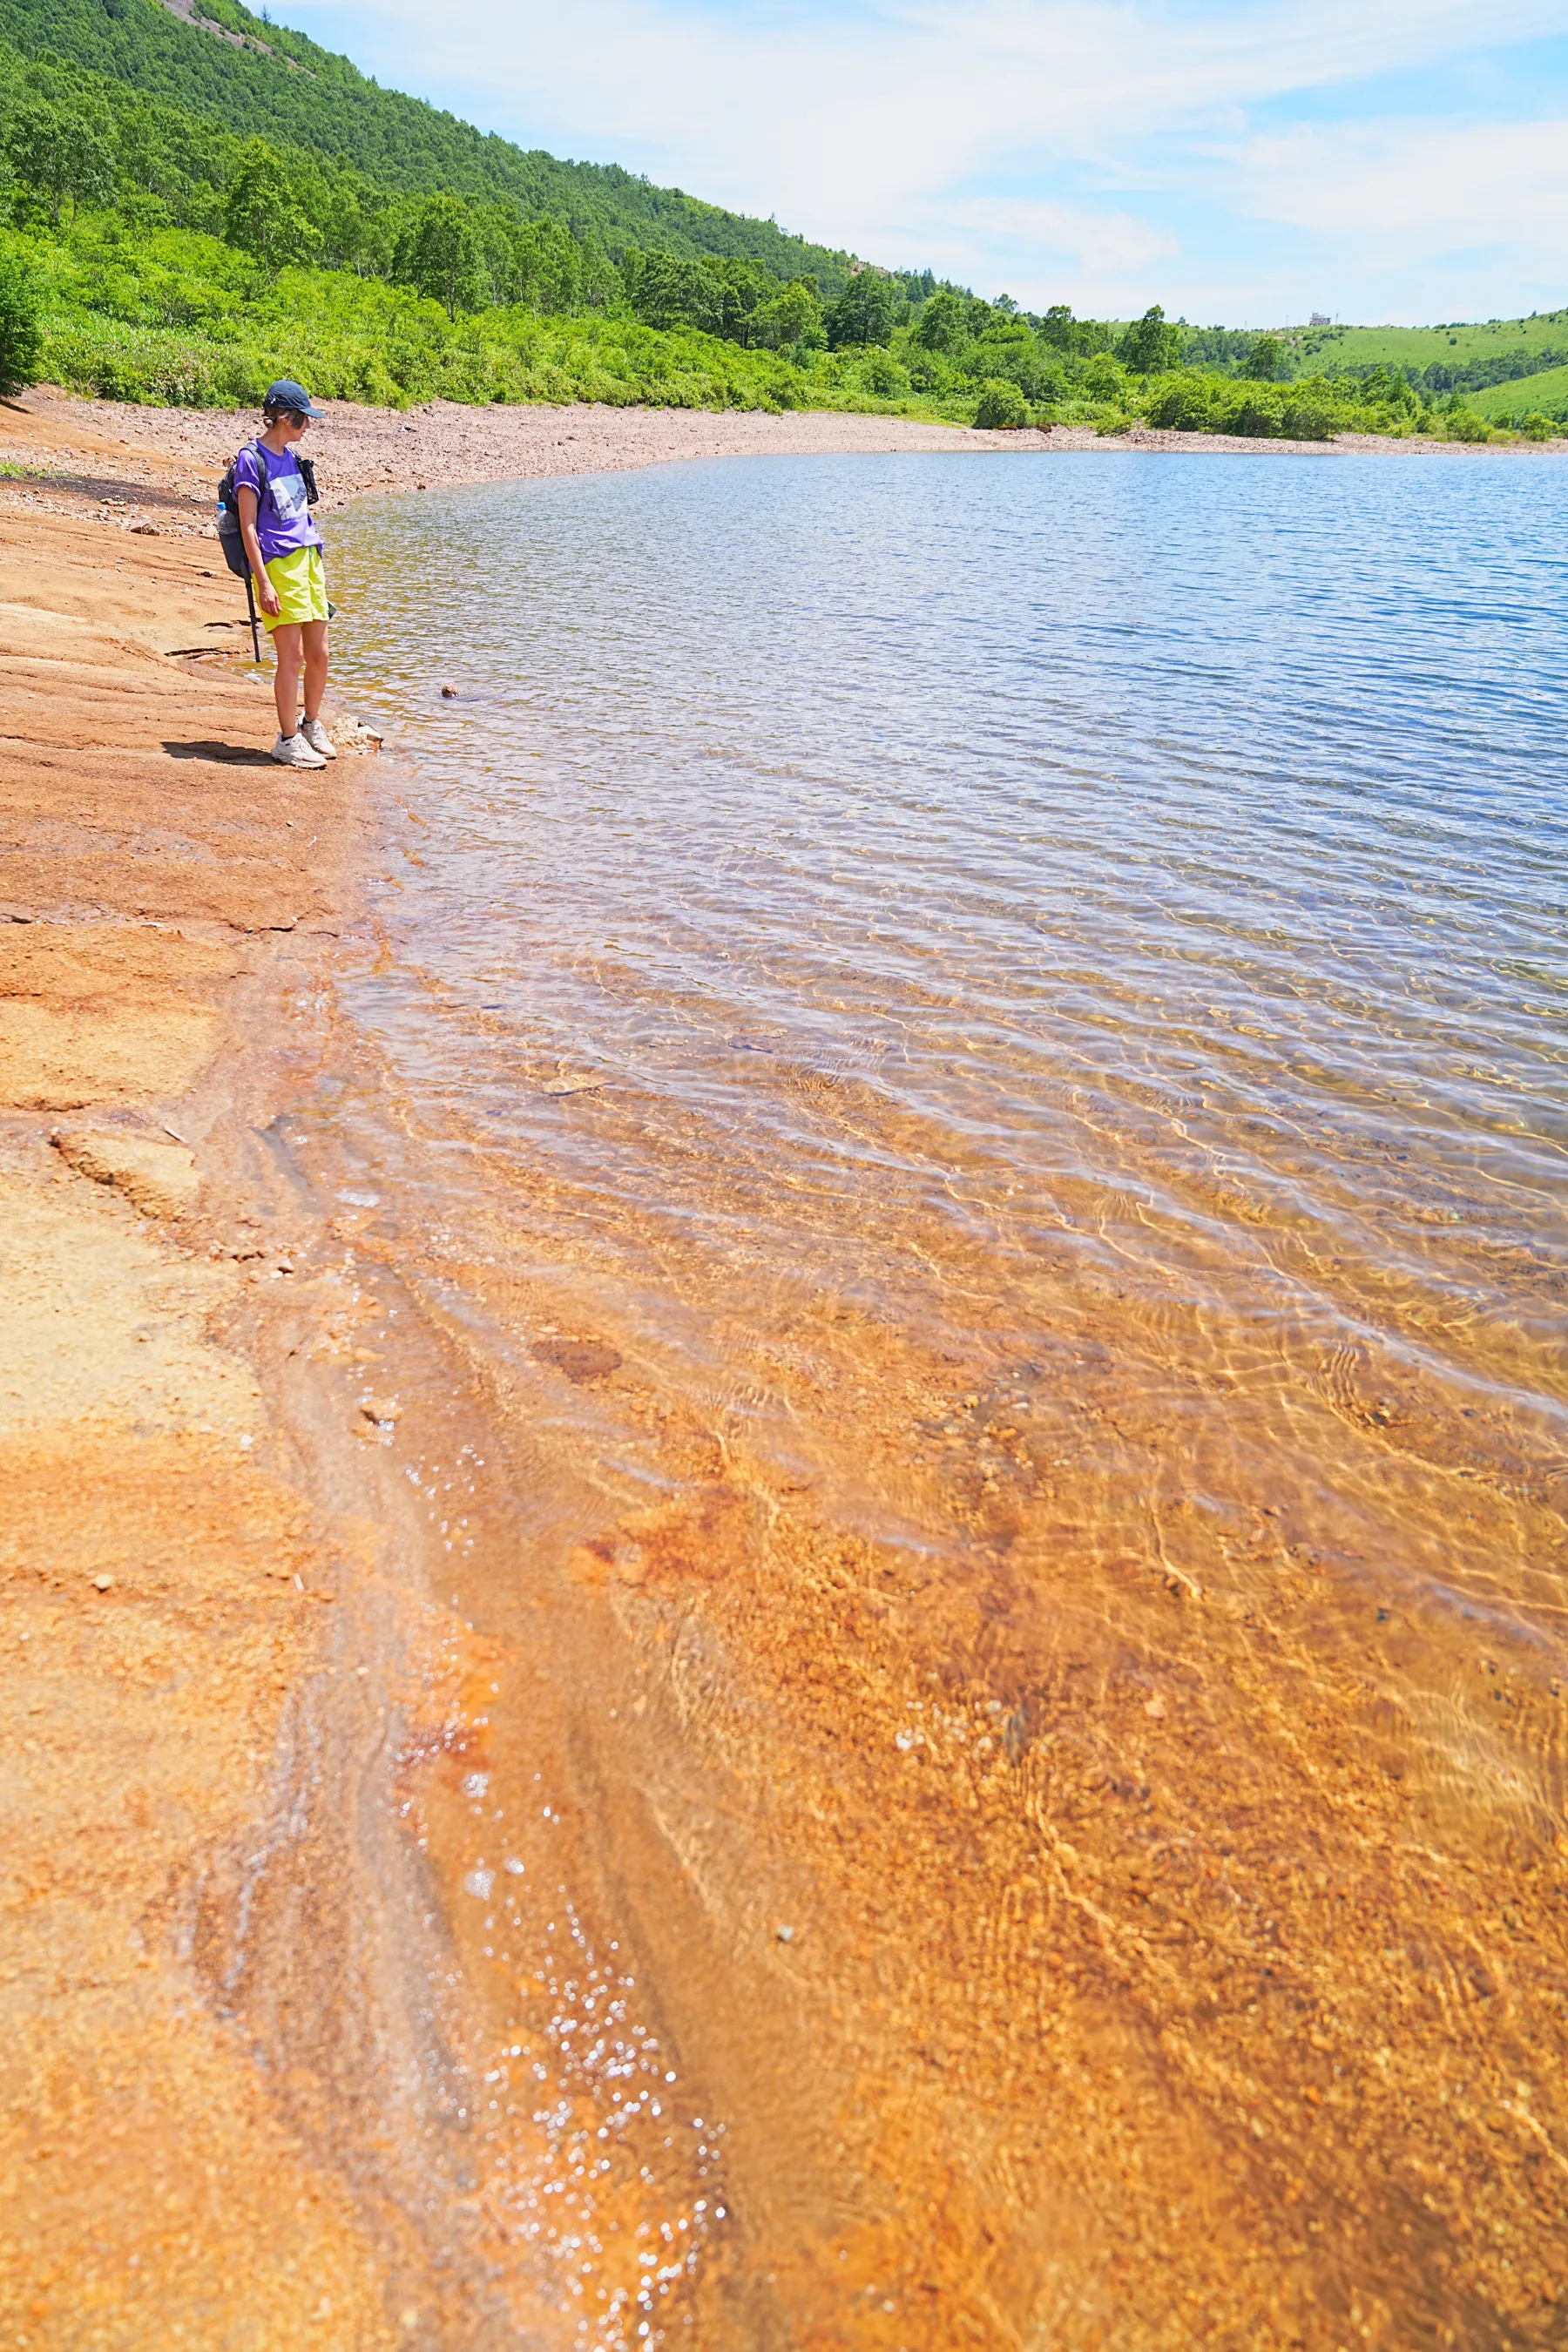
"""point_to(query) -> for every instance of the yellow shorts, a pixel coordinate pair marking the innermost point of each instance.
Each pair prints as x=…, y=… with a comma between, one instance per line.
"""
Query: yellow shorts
x=300, y=580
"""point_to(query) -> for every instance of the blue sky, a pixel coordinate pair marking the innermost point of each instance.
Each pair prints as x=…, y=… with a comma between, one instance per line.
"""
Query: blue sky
x=1394, y=160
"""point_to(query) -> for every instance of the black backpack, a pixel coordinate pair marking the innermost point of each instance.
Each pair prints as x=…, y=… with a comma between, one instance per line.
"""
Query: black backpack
x=228, y=535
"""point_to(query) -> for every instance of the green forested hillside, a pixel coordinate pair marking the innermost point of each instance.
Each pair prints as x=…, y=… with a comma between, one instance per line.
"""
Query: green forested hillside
x=301, y=96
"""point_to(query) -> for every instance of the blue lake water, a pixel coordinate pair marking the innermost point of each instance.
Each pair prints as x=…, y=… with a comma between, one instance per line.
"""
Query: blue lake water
x=1105, y=824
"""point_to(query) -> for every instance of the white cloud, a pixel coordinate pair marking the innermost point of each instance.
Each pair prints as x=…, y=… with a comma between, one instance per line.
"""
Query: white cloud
x=917, y=131
x=1102, y=245
x=1407, y=186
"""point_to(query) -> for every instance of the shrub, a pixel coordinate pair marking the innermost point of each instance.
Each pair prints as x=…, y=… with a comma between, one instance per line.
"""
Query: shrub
x=1257, y=415
x=1307, y=419
x=1537, y=426
x=21, y=320
x=1002, y=407
x=880, y=373
x=1104, y=378
x=1185, y=403
x=1464, y=424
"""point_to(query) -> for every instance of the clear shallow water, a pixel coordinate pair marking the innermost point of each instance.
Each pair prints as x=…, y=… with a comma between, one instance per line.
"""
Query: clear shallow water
x=985, y=1041
x=1123, y=829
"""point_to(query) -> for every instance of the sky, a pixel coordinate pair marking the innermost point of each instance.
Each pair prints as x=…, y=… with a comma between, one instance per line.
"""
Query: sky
x=1400, y=161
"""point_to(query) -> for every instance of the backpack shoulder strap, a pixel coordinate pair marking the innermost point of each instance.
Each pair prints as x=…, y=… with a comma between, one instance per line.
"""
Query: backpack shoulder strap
x=226, y=487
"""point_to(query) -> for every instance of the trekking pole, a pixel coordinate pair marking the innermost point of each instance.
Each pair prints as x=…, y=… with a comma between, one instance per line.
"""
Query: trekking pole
x=255, y=627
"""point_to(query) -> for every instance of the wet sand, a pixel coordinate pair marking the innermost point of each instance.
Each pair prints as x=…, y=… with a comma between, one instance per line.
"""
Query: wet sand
x=1170, y=1985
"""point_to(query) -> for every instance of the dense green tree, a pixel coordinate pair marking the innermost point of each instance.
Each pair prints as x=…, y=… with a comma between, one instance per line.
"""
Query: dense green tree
x=1266, y=359
x=439, y=253
x=665, y=289
x=541, y=265
x=261, y=216
x=1387, y=387
x=863, y=312
x=942, y=324
x=1080, y=337
x=1010, y=354
x=1103, y=377
x=1150, y=344
x=792, y=319
x=21, y=314
x=882, y=376
x=62, y=149
x=342, y=227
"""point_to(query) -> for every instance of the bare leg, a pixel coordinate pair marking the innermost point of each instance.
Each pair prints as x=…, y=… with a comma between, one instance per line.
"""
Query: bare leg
x=286, y=676
x=315, y=636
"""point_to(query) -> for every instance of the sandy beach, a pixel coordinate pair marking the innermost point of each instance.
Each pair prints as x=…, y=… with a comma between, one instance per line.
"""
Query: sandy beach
x=233, y=2011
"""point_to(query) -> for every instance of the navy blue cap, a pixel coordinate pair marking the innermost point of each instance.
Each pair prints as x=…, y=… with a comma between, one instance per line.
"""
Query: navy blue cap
x=287, y=394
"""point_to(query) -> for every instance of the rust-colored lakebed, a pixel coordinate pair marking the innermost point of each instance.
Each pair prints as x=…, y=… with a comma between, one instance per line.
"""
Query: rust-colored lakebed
x=965, y=1083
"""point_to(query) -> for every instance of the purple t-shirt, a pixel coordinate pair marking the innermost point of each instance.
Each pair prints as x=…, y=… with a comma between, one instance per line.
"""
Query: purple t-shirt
x=283, y=520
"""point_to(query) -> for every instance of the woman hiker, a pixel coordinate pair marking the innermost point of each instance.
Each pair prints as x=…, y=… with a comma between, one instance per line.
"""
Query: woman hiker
x=284, y=550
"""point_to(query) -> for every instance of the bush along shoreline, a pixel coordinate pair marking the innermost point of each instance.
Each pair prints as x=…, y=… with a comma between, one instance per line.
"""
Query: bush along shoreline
x=180, y=318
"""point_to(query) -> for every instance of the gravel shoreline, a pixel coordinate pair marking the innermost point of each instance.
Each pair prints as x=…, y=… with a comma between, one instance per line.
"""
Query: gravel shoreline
x=176, y=455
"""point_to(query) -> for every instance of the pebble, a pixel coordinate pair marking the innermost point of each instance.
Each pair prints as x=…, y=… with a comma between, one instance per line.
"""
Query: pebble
x=103, y=1584
x=380, y=1409
x=785, y=1934
x=448, y=694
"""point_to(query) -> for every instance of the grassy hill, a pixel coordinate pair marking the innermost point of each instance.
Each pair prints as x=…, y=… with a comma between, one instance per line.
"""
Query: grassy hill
x=1468, y=358
x=1546, y=394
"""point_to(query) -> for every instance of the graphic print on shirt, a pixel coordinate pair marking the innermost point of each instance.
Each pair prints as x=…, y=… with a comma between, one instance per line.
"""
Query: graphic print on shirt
x=288, y=494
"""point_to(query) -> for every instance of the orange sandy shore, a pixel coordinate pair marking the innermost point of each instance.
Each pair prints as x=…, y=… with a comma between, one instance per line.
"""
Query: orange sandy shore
x=164, y=896
x=1224, y=2097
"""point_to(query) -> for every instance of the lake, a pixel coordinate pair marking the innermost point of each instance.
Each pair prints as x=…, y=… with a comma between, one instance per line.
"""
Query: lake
x=971, y=1054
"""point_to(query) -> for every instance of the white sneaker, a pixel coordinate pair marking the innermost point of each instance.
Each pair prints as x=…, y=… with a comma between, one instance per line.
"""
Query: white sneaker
x=293, y=751
x=316, y=735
